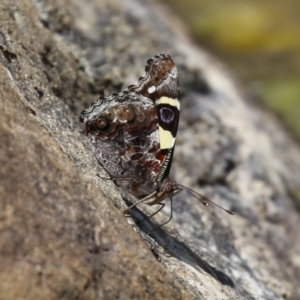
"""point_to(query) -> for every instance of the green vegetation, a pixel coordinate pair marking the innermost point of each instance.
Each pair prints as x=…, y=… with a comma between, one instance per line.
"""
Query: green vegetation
x=260, y=40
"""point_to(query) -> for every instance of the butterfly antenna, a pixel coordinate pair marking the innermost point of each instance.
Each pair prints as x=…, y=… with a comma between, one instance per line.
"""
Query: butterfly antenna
x=203, y=199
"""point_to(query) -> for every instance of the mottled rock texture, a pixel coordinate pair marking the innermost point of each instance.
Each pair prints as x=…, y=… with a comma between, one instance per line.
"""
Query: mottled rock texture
x=62, y=231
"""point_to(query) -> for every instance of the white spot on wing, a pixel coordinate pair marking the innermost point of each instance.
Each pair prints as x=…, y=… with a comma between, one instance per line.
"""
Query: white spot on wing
x=151, y=89
x=173, y=73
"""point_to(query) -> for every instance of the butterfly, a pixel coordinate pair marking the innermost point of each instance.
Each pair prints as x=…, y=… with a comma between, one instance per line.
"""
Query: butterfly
x=133, y=134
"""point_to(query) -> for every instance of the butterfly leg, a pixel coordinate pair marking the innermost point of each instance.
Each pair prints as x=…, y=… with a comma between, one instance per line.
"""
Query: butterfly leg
x=160, y=225
x=138, y=202
x=162, y=205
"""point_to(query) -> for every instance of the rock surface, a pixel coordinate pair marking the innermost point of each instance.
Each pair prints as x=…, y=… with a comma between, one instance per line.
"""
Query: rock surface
x=61, y=237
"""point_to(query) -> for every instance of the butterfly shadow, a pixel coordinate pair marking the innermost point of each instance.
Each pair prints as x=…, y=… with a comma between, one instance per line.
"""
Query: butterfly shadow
x=174, y=247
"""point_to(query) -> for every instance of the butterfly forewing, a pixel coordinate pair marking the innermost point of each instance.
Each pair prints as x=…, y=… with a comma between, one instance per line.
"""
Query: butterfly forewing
x=160, y=84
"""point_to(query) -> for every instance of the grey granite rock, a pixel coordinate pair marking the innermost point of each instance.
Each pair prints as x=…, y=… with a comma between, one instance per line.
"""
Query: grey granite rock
x=60, y=235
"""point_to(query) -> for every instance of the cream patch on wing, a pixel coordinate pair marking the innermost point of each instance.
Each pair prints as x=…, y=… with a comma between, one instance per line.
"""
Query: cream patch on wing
x=167, y=100
x=166, y=139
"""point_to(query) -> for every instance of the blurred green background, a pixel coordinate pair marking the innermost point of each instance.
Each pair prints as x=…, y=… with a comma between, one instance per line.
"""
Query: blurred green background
x=259, y=40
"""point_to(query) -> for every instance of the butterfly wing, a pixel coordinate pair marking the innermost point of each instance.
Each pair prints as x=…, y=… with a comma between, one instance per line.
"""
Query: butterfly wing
x=133, y=132
x=160, y=84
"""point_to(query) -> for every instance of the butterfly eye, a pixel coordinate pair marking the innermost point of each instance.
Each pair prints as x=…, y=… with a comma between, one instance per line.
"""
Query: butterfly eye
x=101, y=123
x=169, y=188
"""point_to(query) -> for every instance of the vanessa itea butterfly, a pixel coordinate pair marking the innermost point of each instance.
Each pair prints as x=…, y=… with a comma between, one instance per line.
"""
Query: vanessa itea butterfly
x=133, y=133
